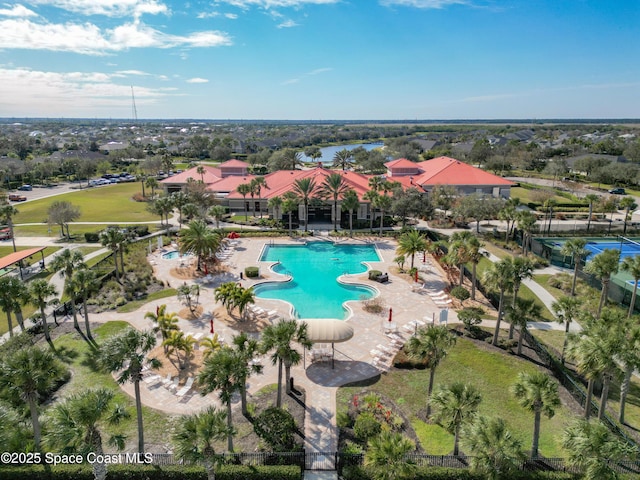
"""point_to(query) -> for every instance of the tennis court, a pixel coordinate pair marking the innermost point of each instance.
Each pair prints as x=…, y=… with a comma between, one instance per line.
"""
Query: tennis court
x=626, y=247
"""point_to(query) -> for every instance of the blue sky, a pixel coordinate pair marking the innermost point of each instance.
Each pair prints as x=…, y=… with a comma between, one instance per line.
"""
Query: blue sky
x=321, y=59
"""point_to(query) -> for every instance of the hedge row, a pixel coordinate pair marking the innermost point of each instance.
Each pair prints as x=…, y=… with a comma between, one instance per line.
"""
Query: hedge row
x=149, y=472
x=437, y=473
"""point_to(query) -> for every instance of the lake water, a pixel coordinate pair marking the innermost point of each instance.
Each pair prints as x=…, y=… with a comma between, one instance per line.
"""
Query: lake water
x=329, y=152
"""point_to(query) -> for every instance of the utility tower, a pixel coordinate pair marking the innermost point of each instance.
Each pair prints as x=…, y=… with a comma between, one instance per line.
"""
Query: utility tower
x=134, y=111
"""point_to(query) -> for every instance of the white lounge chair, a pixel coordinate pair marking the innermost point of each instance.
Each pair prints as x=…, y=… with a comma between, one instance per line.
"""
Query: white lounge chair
x=187, y=386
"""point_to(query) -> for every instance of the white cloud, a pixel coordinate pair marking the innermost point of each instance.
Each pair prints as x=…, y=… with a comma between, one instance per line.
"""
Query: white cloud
x=197, y=80
x=288, y=24
x=88, y=39
x=202, y=15
x=110, y=8
x=317, y=71
x=17, y=11
x=44, y=93
x=231, y=16
x=125, y=73
x=276, y=3
x=424, y=3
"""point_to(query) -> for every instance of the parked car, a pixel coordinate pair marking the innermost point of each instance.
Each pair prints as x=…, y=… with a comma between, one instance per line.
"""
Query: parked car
x=5, y=234
x=25, y=188
x=618, y=191
x=14, y=197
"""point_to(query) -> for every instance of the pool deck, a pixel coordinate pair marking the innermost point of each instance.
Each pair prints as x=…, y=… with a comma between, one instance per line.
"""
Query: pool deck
x=354, y=359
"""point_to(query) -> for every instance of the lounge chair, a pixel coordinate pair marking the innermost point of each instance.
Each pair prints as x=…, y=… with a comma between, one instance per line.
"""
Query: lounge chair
x=443, y=303
x=187, y=386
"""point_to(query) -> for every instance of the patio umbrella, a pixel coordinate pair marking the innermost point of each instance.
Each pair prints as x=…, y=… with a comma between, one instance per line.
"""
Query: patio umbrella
x=390, y=314
x=211, y=324
x=328, y=331
x=416, y=276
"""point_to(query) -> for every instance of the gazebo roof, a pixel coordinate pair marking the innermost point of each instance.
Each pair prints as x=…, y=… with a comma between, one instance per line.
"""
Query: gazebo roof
x=17, y=256
x=328, y=331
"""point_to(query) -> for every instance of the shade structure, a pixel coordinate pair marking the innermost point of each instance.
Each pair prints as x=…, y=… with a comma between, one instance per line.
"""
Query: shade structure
x=328, y=331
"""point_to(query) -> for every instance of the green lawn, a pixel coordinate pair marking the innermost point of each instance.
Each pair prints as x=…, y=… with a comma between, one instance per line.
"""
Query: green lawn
x=111, y=203
x=491, y=372
x=525, y=195
x=75, y=352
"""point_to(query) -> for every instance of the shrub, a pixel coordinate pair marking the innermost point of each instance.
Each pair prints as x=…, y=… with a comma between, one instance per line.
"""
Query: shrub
x=366, y=426
x=277, y=428
x=460, y=293
x=252, y=272
x=373, y=305
x=374, y=274
x=344, y=420
x=92, y=237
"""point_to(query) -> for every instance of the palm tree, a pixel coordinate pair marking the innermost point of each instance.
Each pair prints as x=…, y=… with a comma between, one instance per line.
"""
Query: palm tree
x=350, y=203
x=7, y=300
x=163, y=207
x=220, y=372
x=430, y=345
x=278, y=338
x=499, y=275
x=201, y=171
x=371, y=197
x=257, y=184
x=566, y=309
x=275, y=204
x=631, y=265
x=411, y=243
x=200, y=240
x=591, y=198
x=114, y=239
x=603, y=266
x=289, y=204
x=179, y=200
x=244, y=298
x=538, y=393
x=40, y=293
x=456, y=404
x=525, y=310
x=125, y=354
x=152, y=183
x=217, y=212
x=576, y=248
x=305, y=188
x=245, y=349
x=459, y=251
x=630, y=360
x=29, y=375
x=628, y=203
x=382, y=203
x=244, y=189
x=386, y=455
x=526, y=222
x=196, y=435
x=593, y=448
x=334, y=187
x=74, y=425
x=522, y=269
x=7, y=212
x=548, y=206
x=177, y=342
x=493, y=449
x=342, y=159
x=475, y=254
x=83, y=282
x=68, y=261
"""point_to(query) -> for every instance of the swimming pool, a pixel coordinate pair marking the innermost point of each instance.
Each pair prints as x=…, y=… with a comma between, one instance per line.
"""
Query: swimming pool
x=314, y=290
x=174, y=254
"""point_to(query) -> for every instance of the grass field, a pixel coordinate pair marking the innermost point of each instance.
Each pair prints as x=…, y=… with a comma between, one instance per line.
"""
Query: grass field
x=77, y=231
x=112, y=203
x=492, y=372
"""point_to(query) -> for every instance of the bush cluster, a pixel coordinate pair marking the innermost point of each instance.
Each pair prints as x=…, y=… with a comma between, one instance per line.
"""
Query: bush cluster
x=252, y=272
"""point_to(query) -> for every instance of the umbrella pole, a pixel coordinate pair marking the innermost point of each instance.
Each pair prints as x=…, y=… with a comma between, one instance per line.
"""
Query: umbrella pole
x=333, y=356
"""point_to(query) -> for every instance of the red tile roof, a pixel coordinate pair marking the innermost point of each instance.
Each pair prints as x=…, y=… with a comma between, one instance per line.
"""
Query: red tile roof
x=401, y=163
x=234, y=163
x=211, y=174
x=449, y=171
x=230, y=183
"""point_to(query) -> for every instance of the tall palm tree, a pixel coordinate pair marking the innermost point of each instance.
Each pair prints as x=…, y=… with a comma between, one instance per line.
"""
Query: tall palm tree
x=83, y=282
x=342, y=159
x=179, y=343
x=257, y=184
x=114, y=239
x=334, y=187
x=245, y=348
x=593, y=448
x=628, y=203
x=244, y=297
x=350, y=203
x=7, y=212
x=201, y=171
x=629, y=356
x=166, y=322
x=430, y=344
x=566, y=309
x=7, y=300
x=152, y=183
x=275, y=204
x=499, y=276
x=40, y=295
x=196, y=435
x=548, y=206
x=305, y=189
x=538, y=393
x=410, y=243
x=522, y=269
x=493, y=449
x=456, y=404
x=244, y=189
x=631, y=265
x=576, y=248
x=525, y=310
x=383, y=203
x=217, y=212
x=289, y=204
x=278, y=339
x=200, y=240
x=179, y=200
x=475, y=254
x=591, y=198
x=67, y=262
x=526, y=222
x=459, y=253
x=29, y=375
x=386, y=455
x=74, y=425
x=371, y=197
x=603, y=266
x=220, y=372
x=125, y=354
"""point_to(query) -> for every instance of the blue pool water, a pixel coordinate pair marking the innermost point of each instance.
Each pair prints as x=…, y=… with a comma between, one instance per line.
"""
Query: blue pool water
x=315, y=291
x=173, y=255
